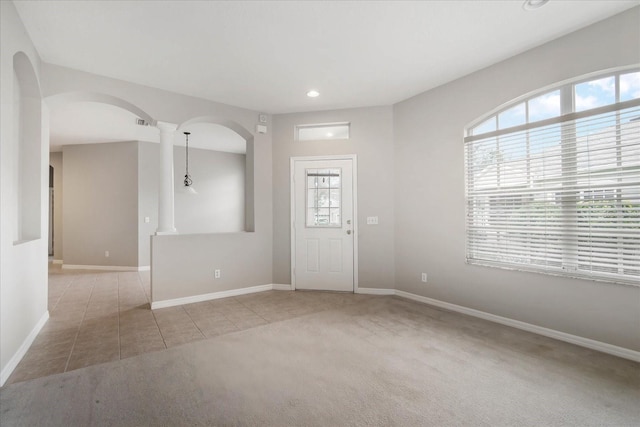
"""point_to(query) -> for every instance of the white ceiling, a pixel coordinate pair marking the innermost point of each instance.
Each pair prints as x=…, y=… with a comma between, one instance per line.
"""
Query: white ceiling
x=266, y=55
x=92, y=123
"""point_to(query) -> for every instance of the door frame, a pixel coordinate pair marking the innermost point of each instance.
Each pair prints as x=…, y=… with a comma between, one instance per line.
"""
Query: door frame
x=292, y=215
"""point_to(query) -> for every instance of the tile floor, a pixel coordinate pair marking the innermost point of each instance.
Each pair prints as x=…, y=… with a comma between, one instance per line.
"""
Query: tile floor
x=98, y=317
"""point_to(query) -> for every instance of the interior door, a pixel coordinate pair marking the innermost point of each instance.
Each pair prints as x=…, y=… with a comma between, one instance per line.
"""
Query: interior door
x=323, y=225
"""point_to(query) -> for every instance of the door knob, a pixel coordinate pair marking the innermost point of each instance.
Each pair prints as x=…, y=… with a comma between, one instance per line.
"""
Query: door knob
x=348, y=231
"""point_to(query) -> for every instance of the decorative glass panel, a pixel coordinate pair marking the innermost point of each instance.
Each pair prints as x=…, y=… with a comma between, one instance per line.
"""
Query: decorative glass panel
x=324, y=192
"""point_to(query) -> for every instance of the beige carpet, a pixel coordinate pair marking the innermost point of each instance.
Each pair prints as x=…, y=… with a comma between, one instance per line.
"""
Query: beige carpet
x=384, y=361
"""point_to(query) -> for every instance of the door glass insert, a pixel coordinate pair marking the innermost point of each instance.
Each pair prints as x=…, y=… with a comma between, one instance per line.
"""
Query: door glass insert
x=324, y=192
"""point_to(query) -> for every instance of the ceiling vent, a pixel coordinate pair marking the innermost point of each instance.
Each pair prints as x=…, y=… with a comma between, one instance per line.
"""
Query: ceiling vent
x=141, y=122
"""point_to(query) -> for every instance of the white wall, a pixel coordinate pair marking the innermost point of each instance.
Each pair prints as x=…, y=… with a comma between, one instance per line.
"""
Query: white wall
x=429, y=192
x=23, y=270
x=372, y=141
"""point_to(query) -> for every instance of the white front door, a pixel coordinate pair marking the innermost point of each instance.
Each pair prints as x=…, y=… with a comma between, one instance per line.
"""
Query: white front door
x=323, y=224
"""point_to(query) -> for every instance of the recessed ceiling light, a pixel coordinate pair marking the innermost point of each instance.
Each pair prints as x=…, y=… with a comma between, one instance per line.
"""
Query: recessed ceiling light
x=534, y=4
x=313, y=93
x=329, y=134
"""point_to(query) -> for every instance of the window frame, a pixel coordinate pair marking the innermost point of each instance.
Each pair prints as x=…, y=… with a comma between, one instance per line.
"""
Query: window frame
x=566, y=117
x=317, y=126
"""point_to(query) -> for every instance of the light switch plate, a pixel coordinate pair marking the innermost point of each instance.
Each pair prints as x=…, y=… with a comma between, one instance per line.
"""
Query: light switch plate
x=372, y=220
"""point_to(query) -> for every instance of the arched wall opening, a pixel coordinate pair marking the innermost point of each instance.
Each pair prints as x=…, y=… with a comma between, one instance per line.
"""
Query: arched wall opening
x=61, y=99
x=94, y=149
x=27, y=150
x=97, y=172
x=243, y=133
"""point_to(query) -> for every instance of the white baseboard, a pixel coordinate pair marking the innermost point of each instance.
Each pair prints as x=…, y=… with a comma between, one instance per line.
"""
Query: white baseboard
x=210, y=296
x=144, y=268
x=375, y=291
x=17, y=357
x=103, y=267
x=279, y=287
x=56, y=261
x=551, y=333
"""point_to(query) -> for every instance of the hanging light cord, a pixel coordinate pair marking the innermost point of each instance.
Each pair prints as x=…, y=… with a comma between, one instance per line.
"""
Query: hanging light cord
x=187, y=178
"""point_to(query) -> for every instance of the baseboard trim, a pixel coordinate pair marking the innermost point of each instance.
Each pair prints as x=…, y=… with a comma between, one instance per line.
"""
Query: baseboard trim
x=144, y=268
x=375, y=291
x=17, y=357
x=57, y=261
x=103, y=267
x=625, y=353
x=210, y=296
x=280, y=287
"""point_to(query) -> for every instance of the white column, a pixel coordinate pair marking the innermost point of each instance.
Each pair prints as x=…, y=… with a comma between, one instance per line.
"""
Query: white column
x=166, y=208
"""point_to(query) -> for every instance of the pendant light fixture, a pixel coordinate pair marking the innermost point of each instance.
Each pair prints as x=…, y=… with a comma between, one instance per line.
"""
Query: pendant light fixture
x=188, y=182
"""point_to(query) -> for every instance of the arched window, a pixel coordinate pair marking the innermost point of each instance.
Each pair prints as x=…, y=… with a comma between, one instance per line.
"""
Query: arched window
x=553, y=181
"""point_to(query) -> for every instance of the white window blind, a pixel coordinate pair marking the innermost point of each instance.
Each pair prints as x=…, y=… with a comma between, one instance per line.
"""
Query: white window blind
x=561, y=195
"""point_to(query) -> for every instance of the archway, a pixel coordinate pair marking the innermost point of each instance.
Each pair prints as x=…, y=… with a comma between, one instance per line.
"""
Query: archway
x=98, y=208
x=70, y=97
x=249, y=211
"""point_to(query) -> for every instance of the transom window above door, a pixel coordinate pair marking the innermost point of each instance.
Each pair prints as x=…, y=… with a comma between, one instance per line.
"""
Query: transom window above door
x=323, y=197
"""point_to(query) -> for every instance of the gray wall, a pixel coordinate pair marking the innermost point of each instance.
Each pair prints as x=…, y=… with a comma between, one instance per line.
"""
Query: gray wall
x=218, y=178
x=190, y=261
x=219, y=206
x=183, y=265
x=372, y=141
x=100, y=204
x=55, y=160
x=429, y=192
x=253, y=258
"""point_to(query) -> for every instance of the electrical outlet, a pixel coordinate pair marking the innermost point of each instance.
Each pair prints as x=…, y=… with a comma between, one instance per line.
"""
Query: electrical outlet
x=106, y=254
x=372, y=220
x=217, y=274
x=147, y=219
x=424, y=277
